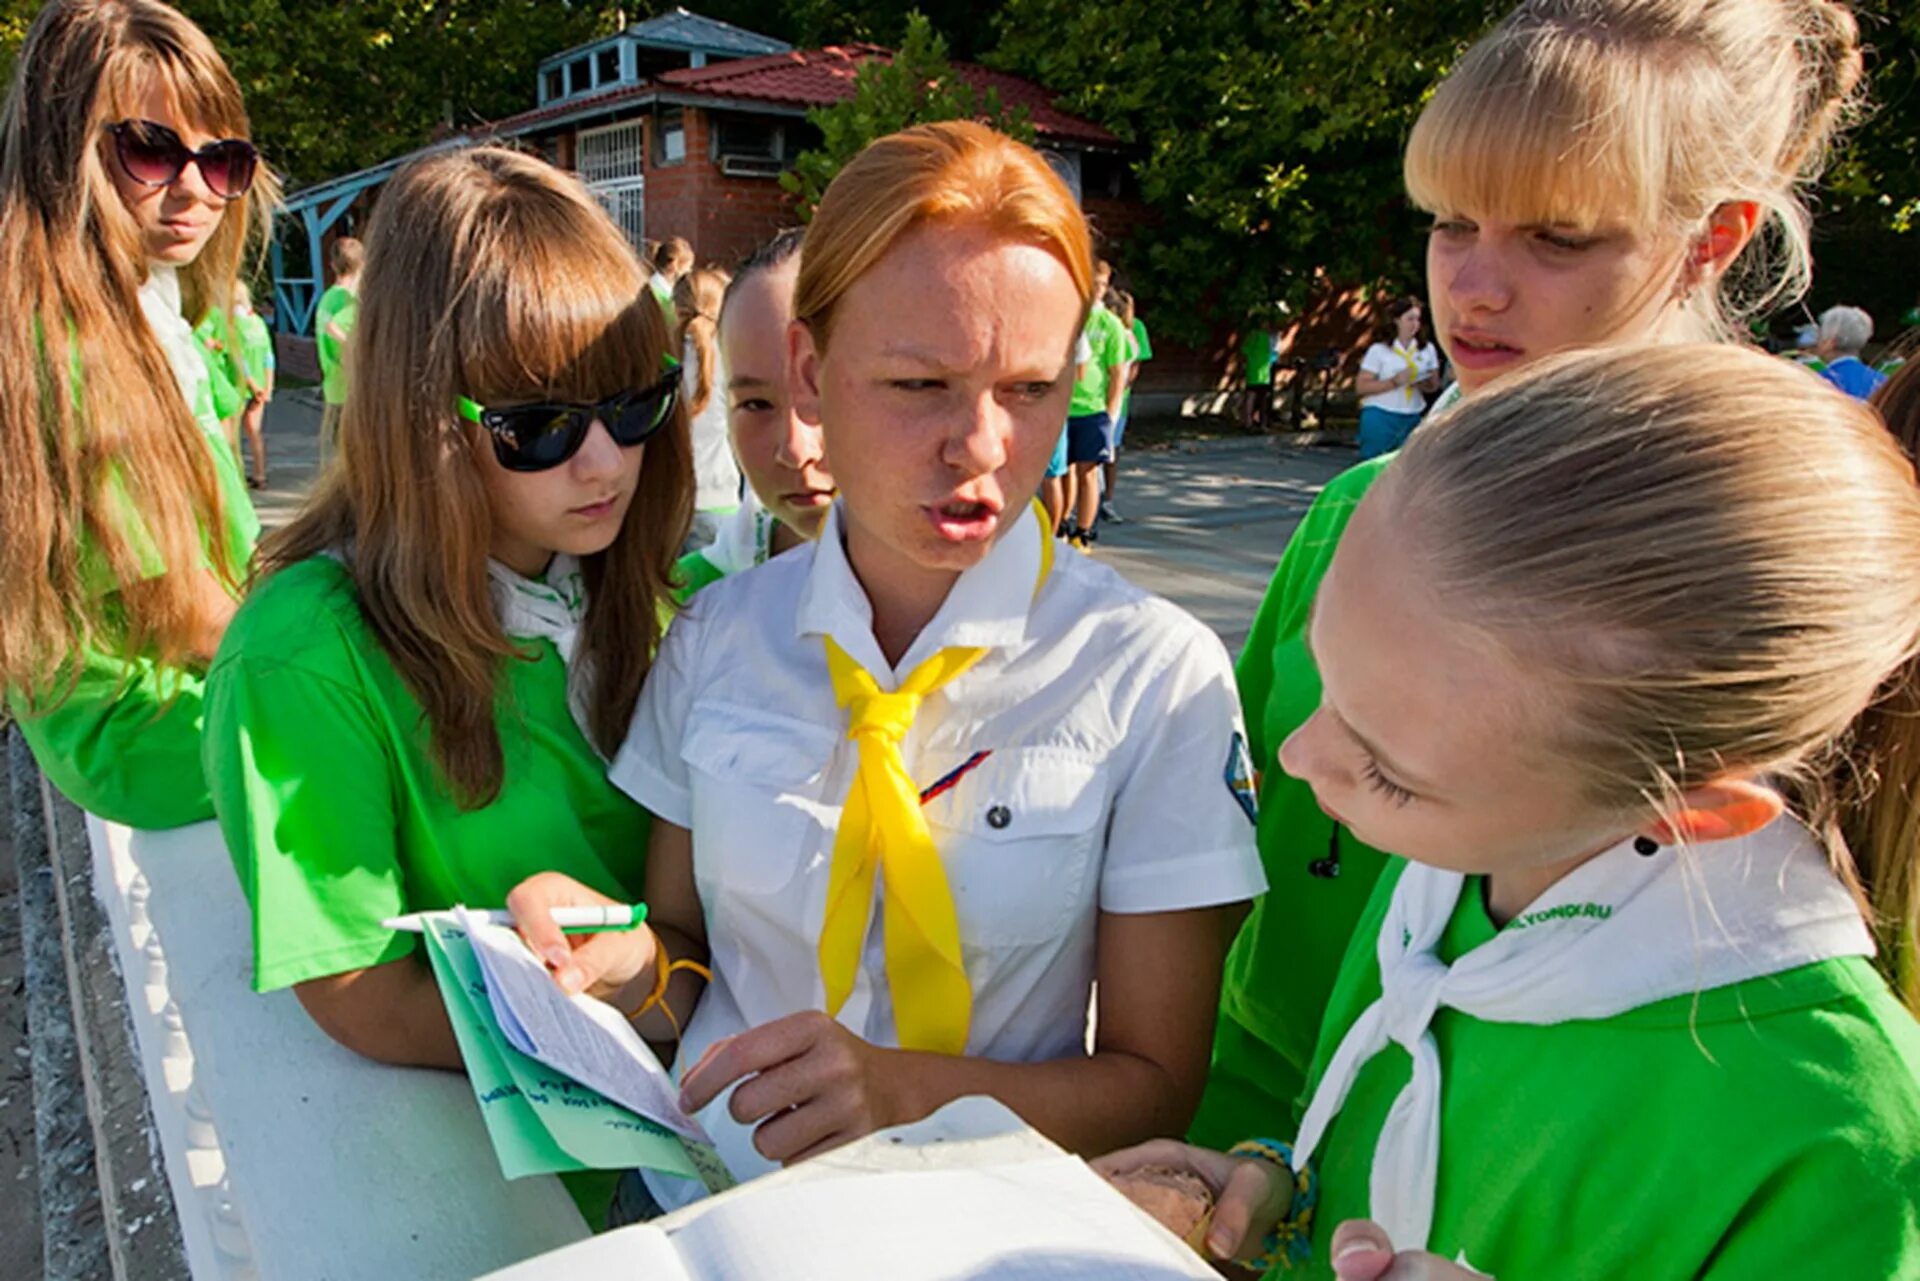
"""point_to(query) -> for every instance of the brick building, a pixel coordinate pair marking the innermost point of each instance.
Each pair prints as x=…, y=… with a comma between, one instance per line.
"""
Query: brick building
x=681, y=126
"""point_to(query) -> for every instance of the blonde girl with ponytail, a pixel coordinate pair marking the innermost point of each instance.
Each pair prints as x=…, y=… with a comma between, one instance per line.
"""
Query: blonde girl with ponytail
x=1617, y=1014
x=127, y=202
x=1600, y=173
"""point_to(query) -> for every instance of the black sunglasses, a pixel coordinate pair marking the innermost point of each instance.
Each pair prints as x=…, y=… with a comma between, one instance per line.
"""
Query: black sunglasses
x=153, y=156
x=540, y=436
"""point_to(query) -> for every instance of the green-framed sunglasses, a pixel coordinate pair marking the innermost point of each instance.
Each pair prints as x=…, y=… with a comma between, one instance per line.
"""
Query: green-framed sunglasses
x=542, y=435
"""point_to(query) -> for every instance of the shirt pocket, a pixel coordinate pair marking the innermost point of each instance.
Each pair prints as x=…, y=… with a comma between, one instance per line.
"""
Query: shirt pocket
x=756, y=779
x=1020, y=836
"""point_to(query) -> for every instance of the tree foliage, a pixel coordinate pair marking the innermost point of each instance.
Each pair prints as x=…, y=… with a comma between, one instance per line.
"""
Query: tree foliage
x=1269, y=135
x=336, y=85
x=916, y=86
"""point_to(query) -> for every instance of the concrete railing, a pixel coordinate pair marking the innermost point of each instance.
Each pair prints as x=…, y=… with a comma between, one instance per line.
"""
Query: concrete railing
x=192, y=1130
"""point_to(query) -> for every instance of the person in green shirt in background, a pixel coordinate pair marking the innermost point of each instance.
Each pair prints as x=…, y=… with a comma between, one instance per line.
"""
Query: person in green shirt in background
x=789, y=488
x=1256, y=354
x=125, y=531
x=333, y=324
x=1097, y=392
x=220, y=343
x=1137, y=352
x=1616, y=1015
x=257, y=362
x=414, y=707
x=1503, y=293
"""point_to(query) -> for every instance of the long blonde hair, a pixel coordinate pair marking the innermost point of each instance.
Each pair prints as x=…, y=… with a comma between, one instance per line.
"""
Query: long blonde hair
x=98, y=448
x=490, y=275
x=1656, y=111
x=696, y=301
x=1715, y=560
x=955, y=171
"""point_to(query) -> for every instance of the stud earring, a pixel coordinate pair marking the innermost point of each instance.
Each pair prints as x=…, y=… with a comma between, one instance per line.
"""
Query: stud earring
x=1645, y=846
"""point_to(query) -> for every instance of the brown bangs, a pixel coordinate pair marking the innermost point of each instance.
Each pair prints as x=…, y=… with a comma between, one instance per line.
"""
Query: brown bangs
x=556, y=308
x=1539, y=129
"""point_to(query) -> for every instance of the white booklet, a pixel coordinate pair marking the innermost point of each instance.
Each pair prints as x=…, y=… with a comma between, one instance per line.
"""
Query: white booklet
x=971, y=1193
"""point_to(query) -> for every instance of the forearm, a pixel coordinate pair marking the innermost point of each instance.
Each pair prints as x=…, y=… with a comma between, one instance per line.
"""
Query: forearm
x=1089, y=1105
x=1367, y=385
x=390, y=1013
x=1116, y=390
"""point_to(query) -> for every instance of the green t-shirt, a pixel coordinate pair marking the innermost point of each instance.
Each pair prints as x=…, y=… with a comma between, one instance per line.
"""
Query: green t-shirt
x=1283, y=962
x=221, y=346
x=691, y=573
x=1142, y=347
x=1765, y=1129
x=1256, y=349
x=665, y=298
x=318, y=756
x=256, y=348
x=123, y=741
x=338, y=306
x=1108, y=339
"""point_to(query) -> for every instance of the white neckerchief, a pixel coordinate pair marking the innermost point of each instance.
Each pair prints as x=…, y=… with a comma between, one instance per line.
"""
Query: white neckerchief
x=552, y=606
x=744, y=539
x=160, y=304
x=1621, y=931
x=1448, y=398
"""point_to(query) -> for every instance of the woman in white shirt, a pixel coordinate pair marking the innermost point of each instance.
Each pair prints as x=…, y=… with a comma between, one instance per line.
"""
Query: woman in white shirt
x=716, y=473
x=1395, y=375
x=920, y=783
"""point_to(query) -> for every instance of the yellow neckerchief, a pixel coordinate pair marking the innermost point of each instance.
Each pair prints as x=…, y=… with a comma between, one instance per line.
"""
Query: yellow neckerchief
x=883, y=826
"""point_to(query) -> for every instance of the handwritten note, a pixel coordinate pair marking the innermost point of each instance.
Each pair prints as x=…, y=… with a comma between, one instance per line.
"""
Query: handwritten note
x=541, y=1119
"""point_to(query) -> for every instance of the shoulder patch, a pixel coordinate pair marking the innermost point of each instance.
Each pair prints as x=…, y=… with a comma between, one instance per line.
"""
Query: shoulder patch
x=1238, y=776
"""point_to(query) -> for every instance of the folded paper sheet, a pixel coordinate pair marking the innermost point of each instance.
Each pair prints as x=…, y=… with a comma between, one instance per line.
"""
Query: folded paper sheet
x=560, y=1087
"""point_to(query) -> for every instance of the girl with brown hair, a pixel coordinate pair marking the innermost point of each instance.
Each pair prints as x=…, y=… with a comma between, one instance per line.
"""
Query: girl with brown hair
x=414, y=707
x=697, y=297
x=127, y=201
x=920, y=782
x=1614, y=1012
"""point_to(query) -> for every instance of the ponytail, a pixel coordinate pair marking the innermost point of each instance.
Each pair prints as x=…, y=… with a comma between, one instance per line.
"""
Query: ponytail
x=696, y=301
x=1878, y=786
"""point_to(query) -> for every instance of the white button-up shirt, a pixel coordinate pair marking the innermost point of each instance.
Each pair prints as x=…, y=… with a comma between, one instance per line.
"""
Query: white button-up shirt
x=1092, y=761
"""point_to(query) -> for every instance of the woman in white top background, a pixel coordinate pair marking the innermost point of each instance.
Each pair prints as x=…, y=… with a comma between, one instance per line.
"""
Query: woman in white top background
x=716, y=475
x=920, y=783
x=1395, y=377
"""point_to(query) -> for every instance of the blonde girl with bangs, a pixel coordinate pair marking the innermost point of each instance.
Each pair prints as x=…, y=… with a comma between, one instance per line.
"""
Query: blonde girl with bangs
x=920, y=782
x=127, y=202
x=415, y=706
x=1613, y=1012
x=1600, y=173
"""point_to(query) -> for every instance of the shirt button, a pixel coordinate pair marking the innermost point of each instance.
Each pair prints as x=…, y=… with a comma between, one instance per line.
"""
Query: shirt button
x=998, y=817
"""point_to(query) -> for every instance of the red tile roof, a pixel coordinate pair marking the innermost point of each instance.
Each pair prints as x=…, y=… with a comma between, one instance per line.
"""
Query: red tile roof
x=818, y=78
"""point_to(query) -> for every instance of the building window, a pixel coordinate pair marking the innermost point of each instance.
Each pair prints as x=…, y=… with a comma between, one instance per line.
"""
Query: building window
x=611, y=153
x=554, y=82
x=608, y=65
x=746, y=136
x=670, y=137
x=577, y=76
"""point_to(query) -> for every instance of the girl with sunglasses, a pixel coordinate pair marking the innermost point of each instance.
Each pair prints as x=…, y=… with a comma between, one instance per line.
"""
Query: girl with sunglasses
x=127, y=201
x=415, y=706
x=1600, y=173
x=921, y=782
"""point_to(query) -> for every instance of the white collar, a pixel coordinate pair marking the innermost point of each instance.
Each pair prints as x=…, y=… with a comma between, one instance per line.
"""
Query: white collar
x=1620, y=931
x=744, y=539
x=987, y=606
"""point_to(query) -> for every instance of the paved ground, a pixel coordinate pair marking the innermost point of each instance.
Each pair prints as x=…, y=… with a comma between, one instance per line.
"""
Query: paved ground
x=19, y=1202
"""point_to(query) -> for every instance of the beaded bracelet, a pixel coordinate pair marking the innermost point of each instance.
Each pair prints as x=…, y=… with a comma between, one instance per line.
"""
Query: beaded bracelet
x=1291, y=1240
x=663, y=969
